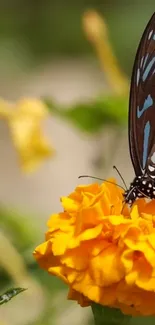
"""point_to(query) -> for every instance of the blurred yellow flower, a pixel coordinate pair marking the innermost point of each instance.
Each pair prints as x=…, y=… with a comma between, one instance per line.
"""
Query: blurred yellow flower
x=104, y=254
x=96, y=31
x=24, y=119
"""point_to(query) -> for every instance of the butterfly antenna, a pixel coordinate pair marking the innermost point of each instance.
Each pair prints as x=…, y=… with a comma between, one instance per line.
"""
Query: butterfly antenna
x=120, y=176
x=123, y=206
x=132, y=189
x=143, y=193
x=100, y=179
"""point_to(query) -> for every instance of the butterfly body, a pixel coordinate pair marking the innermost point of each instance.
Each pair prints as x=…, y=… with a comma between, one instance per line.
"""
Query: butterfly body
x=142, y=186
x=142, y=118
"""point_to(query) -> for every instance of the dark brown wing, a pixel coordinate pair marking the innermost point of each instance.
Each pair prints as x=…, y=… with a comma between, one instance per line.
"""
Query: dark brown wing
x=142, y=100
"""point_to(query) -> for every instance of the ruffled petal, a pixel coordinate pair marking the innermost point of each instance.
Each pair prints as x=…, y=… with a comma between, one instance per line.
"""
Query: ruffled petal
x=103, y=250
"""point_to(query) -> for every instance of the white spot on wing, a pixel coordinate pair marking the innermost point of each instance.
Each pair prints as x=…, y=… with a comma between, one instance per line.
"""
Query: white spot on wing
x=150, y=34
x=153, y=158
x=138, y=76
x=141, y=63
x=151, y=168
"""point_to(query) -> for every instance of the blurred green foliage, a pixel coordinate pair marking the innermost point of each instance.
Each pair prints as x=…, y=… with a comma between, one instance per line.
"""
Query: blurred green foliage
x=92, y=116
x=47, y=28
x=24, y=237
x=21, y=233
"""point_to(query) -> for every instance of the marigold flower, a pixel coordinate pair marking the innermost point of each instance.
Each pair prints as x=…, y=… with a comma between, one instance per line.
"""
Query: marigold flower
x=105, y=252
x=24, y=119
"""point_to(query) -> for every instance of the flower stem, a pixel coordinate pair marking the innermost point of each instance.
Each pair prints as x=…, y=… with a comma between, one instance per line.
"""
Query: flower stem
x=96, y=31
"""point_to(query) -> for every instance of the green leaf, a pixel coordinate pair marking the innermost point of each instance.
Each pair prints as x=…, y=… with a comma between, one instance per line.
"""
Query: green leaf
x=109, y=316
x=5, y=297
x=92, y=116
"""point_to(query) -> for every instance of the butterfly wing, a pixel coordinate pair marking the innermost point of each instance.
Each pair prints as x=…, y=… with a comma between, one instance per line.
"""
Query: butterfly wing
x=142, y=100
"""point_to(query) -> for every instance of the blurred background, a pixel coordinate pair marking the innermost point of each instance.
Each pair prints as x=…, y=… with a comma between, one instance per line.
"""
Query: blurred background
x=46, y=53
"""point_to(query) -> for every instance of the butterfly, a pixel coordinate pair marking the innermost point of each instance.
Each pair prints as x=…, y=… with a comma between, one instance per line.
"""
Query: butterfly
x=141, y=120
